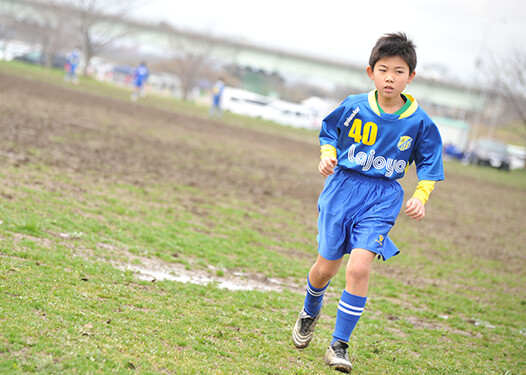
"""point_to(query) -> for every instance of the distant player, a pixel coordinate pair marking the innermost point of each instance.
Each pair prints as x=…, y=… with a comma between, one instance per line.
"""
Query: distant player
x=217, y=94
x=367, y=144
x=140, y=76
x=72, y=62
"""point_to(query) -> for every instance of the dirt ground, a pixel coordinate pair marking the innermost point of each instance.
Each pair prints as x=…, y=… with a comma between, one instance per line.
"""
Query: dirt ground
x=124, y=141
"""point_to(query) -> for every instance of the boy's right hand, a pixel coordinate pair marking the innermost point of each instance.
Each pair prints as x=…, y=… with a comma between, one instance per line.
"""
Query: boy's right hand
x=327, y=165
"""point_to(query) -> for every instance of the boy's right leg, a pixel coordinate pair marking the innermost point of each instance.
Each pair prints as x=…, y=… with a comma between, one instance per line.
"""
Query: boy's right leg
x=317, y=282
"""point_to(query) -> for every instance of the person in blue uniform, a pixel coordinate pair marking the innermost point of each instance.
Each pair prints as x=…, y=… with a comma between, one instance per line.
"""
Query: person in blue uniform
x=140, y=76
x=367, y=144
x=217, y=94
x=72, y=63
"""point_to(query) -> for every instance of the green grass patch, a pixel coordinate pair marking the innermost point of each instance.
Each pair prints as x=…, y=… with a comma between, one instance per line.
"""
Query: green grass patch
x=68, y=306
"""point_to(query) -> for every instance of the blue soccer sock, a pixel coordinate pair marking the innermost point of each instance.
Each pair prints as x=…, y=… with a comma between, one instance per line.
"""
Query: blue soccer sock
x=349, y=311
x=314, y=299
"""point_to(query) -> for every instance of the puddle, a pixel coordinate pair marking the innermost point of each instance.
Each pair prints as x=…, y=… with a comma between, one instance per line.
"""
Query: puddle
x=152, y=270
x=481, y=323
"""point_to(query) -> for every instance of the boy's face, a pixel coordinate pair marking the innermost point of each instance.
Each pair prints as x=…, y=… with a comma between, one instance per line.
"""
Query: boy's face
x=391, y=76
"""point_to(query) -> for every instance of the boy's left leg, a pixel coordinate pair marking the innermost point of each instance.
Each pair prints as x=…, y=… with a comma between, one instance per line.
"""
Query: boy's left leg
x=350, y=308
x=74, y=76
x=135, y=93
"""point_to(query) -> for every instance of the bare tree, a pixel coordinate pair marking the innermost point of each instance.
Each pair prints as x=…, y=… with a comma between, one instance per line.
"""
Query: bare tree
x=100, y=23
x=510, y=81
x=191, y=57
x=54, y=34
x=11, y=26
x=5, y=33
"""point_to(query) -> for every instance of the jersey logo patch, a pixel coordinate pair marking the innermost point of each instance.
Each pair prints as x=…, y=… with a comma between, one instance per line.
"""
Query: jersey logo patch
x=380, y=240
x=404, y=143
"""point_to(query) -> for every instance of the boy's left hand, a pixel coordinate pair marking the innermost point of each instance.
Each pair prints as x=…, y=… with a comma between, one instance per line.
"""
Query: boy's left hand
x=415, y=209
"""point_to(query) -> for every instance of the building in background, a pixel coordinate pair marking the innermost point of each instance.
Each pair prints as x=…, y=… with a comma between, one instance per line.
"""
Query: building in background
x=453, y=132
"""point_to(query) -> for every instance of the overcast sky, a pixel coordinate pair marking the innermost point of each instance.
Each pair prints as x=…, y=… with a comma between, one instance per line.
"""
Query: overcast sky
x=449, y=33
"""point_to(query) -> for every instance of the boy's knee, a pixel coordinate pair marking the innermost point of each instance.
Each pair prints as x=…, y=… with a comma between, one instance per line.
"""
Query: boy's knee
x=358, y=272
x=324, y=272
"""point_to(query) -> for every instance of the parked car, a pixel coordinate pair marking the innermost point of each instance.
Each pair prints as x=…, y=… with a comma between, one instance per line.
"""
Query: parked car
x=13, y=48
x=491, y=153
x=453, y=152
x=36, y=57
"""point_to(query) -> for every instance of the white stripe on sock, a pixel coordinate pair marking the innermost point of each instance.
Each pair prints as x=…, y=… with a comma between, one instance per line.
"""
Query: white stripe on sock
x=346, y=305
x=349, y=311
x=313, y=293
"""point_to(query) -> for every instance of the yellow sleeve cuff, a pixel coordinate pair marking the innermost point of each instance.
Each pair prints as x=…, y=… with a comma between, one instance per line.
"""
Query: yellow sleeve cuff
x=423, y=189
x=328, y=151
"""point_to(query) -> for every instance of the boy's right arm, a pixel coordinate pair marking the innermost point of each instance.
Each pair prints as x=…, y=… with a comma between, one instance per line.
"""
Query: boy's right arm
x=328, y=160
x=328, y=139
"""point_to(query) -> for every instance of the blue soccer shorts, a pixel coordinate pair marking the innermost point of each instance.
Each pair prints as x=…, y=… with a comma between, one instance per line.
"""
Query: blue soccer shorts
x=357, y=211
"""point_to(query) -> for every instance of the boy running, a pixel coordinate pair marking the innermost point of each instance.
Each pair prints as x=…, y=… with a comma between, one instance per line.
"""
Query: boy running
x=367, y=144
x=140, y=76
x=217, y=93
x=72, y=62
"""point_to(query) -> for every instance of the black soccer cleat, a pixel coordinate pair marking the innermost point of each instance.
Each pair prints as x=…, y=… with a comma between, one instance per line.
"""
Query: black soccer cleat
x=304, y=329
x=337, y=357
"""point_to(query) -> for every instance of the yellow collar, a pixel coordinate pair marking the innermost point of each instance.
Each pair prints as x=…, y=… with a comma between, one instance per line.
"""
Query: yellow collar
x=408, y=112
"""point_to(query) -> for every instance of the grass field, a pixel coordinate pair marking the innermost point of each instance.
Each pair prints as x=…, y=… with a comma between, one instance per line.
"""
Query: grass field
x=93, y=185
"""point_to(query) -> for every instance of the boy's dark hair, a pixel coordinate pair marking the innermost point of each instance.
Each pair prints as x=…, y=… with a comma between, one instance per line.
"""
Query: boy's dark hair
x=394, y=44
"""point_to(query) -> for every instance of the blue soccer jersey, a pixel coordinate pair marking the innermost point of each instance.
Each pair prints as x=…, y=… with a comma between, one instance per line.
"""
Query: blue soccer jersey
x=379, y=144
x=140, y=75
x=73, y=59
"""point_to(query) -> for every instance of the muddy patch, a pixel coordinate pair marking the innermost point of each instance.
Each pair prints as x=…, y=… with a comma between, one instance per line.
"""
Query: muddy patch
x=155, y=269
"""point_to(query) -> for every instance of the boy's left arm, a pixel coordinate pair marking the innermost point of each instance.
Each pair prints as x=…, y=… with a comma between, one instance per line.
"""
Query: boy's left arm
x=415, y=206
x=429, y=168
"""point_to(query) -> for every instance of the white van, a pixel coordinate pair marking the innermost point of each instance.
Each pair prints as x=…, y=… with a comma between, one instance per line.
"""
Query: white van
x=251, y=104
